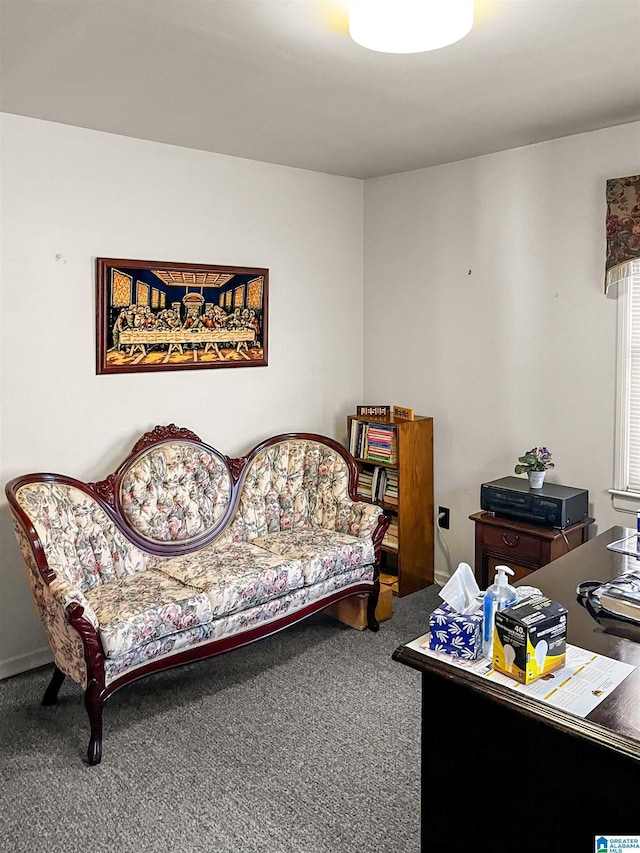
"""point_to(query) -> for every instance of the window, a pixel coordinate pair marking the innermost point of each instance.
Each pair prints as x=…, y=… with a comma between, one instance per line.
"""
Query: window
x=626, y=484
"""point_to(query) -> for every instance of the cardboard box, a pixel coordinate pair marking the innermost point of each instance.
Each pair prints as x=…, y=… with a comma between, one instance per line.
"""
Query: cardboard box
x=530, y=638
x=455, y=633
x=353, y=611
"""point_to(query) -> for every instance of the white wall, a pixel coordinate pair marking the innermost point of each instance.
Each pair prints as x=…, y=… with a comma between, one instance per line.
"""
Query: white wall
x=484, y=308
x=70, y=195
x=517, y=353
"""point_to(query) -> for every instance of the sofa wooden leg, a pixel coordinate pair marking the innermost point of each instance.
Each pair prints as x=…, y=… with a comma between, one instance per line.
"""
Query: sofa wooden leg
x=51, y=693
x=93, y=702
x=372, y=603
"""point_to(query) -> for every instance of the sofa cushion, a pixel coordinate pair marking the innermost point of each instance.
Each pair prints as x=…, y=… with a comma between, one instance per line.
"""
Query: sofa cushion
x=291, y=484
x=143, y=607
x=236, y=575
x=323, y=552
x=80, y=541
x=235, y=623
x=175, y=492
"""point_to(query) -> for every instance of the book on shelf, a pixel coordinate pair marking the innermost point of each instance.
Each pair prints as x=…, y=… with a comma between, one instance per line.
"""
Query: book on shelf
x=353, y=438
x=390, y=494
x=373, y=441
x=379, y=484
x=372, y=484
x=365, y=485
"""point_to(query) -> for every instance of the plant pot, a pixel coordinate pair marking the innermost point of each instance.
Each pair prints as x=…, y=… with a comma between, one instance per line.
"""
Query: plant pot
x=536, y=479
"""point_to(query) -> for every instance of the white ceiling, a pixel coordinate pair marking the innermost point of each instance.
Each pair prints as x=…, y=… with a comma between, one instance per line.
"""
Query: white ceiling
x=281, y=81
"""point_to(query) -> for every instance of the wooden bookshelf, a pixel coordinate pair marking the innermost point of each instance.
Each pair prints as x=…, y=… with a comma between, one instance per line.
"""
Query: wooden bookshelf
x=402, y=451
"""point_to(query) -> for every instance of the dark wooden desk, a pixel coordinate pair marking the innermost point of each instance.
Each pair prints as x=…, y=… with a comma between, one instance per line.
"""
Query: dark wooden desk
x=505, y=772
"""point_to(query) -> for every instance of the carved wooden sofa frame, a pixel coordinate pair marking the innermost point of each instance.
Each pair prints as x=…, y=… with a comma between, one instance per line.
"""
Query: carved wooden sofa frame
x=136, y=547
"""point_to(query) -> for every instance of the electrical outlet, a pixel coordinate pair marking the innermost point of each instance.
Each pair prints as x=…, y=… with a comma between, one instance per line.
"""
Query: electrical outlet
x=443, y=517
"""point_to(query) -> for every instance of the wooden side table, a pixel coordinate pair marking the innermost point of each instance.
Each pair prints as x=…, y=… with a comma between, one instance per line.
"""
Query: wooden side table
x=521, y=546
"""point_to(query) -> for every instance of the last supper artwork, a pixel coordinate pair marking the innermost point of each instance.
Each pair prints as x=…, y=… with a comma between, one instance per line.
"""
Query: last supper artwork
x=156, y=315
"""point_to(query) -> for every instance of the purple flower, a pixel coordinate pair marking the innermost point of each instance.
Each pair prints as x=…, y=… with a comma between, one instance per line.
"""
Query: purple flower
x=536, y=459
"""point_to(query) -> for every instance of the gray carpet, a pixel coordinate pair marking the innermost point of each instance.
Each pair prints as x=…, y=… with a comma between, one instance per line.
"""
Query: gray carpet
x=306, y=742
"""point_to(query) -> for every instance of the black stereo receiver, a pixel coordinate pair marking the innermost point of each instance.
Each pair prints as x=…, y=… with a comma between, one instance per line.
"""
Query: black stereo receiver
x=550, y=506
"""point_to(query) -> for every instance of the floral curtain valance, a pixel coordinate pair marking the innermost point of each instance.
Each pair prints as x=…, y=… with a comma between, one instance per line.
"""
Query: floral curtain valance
x=623, y=228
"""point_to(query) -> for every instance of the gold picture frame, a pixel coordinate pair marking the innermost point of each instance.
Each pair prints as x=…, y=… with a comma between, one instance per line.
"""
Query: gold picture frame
x=158, y=315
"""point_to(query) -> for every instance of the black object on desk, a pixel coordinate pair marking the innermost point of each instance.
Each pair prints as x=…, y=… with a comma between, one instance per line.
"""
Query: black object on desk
x=504, y=771
x=551, y=505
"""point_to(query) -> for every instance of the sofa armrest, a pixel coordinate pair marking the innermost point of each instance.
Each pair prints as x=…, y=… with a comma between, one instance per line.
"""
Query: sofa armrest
x=65, y=595
x=366, y=521
x=79, y=614
x=359, y=518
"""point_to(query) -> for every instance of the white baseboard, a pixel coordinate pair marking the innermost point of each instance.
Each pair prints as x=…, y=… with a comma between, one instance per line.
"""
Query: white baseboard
x=22, y=663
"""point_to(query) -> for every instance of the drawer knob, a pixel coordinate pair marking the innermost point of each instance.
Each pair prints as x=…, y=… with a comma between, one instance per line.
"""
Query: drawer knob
x=510, y=542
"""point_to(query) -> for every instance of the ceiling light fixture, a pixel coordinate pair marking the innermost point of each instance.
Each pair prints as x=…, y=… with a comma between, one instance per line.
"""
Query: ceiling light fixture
x=409, y=26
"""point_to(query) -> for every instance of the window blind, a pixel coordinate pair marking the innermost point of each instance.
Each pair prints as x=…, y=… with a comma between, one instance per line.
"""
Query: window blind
x=634, y=388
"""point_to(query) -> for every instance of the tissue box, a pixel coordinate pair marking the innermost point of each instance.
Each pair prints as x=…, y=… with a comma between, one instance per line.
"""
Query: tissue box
x=456, y=633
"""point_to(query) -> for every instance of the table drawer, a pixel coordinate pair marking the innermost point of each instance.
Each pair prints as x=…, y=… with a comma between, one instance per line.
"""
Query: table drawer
x=512, y=543
x=520, y=572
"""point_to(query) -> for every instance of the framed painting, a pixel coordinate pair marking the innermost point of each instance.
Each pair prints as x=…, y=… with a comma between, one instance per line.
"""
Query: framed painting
x=156, y=315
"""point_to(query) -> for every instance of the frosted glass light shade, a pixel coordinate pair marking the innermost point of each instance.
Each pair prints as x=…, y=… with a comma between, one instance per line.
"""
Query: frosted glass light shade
x=409, y=26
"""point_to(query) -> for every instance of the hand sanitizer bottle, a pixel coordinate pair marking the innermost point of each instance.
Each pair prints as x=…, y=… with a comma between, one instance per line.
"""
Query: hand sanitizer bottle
x=498, y=596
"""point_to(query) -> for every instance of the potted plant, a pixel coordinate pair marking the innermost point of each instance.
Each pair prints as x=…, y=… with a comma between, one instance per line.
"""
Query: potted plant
x=535, y=463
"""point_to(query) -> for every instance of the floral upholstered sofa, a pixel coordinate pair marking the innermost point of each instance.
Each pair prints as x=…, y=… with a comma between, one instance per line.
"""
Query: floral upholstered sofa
x=184, y=553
